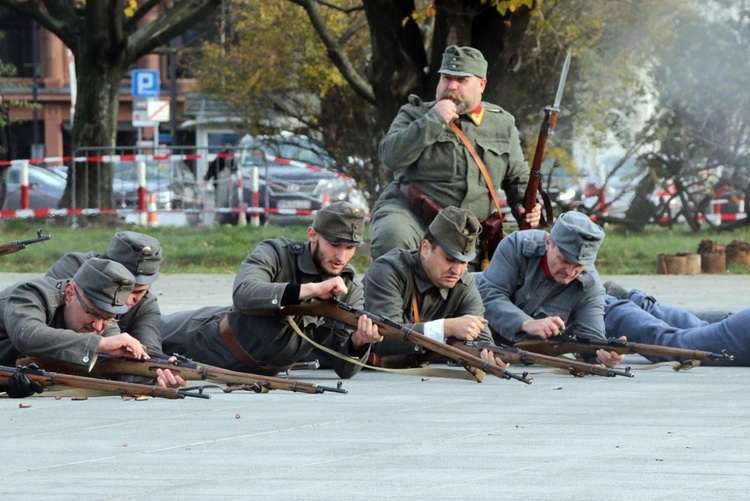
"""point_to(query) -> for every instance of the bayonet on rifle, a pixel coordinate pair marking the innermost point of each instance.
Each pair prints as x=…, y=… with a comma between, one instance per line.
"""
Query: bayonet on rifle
x=535, y=177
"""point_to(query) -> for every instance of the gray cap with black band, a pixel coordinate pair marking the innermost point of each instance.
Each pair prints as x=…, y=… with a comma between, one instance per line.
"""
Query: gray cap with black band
x=341, y=222
x=107, y=284
x=456, y=230
x=577, y=237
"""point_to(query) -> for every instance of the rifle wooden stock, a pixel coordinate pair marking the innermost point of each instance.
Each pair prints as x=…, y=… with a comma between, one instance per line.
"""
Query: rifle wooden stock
x=510, y=355
x=556, y=346
x=48, y=379
x=388, y=328
x=535, y=177
x=188, y=370
x=10, y=248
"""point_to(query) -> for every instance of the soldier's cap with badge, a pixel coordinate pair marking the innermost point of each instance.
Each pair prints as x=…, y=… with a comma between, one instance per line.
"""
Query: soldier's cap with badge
x=577, y=237
x=341, y=222
x=463, y=62
x=139, y=253
x=456, y=230
x=107, y=284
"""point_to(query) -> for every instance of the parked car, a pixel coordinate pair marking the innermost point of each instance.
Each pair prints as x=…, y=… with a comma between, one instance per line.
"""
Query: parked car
x=45, y=188
x=172, y=183
x=304, y=180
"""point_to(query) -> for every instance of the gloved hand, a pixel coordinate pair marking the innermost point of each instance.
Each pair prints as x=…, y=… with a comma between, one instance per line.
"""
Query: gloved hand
x=19, y=386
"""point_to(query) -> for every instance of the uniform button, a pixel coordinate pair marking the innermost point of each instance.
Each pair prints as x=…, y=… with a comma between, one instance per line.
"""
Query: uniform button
x=85, y=360
x=274, y=301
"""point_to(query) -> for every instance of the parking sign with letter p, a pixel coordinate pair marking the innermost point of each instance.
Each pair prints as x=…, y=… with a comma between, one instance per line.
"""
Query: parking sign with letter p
x=145, y=83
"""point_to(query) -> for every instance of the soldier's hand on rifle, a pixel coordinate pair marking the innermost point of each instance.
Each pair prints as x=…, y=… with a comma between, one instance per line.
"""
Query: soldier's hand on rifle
x=366, y=333
x=466, y=328
x=610, y=358
x=488, y=356
x=447, y=110
x=323, y=290
x=166, y=379
x=543, y=328
x=533, y=217
x=122, y=345
x=19, y=385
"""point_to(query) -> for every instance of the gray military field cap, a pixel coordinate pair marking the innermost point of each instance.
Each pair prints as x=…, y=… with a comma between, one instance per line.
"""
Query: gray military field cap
x=341, y=222
x=139, y=253
x=463, y=62
x=107, y=284
x=456, y=230
x=577, y=237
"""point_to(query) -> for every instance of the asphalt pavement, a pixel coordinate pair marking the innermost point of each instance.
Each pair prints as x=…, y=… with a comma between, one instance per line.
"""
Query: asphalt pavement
x=660, y=435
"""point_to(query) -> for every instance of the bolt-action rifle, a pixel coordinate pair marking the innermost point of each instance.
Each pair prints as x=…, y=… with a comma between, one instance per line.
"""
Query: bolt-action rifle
x=349, y=315
x=48, y=379
x=512, y=355
x=18, y=245
x=535, y=179
x=188, y=370
x=568, y=343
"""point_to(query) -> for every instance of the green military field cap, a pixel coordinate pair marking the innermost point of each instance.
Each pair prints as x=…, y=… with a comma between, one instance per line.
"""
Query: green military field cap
x=463, y=62
x=107, y=284
x=139, y=253
x=577, y=237
x=341, y=222
x=456, y=230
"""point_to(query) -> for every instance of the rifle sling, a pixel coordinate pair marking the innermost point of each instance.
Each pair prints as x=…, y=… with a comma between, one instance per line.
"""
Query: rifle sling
x=424, y=372
x=480, y=164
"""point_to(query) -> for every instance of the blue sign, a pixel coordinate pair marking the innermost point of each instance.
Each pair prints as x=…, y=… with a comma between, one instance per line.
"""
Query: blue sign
x=145, y=83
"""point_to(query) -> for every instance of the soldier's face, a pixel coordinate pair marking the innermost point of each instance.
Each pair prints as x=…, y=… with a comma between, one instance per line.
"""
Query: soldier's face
x=465, y=92
x=562, y=269
x=330, y=257
x=443, y=270
x=81, y=315
x=139, y=290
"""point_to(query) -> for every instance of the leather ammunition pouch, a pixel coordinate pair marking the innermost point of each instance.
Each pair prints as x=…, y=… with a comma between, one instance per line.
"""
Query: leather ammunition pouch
x=420, y=203
x=492, y=233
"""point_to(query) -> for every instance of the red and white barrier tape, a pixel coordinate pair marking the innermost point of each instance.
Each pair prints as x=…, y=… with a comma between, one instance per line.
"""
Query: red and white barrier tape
x=61, y=161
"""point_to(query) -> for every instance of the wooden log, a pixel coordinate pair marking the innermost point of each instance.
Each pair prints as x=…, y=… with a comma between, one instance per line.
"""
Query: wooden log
x=714, y=262
x=692, y=263
x=671, y=264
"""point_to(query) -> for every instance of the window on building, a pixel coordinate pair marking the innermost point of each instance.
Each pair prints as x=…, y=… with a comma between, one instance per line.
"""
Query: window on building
x=16, y=41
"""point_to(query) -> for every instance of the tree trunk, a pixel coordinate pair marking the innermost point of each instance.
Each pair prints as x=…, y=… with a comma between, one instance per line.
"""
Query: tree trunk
x=398, y=56
x=95, y=125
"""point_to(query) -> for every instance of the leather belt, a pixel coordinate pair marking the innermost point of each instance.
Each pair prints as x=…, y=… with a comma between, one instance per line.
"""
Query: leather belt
x=241, y=354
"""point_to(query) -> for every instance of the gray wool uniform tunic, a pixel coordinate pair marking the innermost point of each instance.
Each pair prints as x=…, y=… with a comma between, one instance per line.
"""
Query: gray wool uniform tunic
x=142, y=321
x=259, y=286
x=514, y=289
x=389, y=287
x=32, y=323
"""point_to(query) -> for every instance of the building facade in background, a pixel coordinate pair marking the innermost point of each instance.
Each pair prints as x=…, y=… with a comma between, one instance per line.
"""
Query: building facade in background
x=43, y=77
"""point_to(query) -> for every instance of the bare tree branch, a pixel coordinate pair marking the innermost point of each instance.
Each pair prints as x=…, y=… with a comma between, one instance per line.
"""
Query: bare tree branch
x=339, y=58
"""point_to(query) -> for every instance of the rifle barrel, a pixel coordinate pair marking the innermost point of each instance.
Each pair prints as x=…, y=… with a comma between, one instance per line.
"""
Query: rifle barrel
x=342, y=312
x=47, y=379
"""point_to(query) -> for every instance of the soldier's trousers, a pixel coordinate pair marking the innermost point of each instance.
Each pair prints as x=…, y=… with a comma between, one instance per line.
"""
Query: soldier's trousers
x=642, y=319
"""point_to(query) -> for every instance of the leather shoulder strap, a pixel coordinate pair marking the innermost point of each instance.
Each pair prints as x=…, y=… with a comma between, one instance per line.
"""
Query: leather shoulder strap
x=480, y=164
